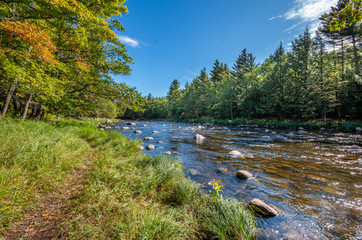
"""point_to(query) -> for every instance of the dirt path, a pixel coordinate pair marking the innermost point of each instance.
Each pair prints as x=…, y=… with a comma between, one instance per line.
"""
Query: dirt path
x=44, y=222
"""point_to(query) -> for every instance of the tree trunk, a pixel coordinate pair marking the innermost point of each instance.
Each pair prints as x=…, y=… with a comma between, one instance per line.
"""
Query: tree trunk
x=40, y=113
x=34, y=108
x=26, y=107
x=356, y=64
x=7, y=100
x=342, y=52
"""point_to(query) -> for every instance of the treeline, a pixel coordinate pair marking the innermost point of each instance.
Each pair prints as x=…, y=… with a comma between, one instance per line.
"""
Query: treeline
x=318, y=78
x=57, y=58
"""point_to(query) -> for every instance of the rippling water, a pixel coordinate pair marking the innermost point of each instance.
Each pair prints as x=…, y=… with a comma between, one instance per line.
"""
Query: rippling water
x=315, y=178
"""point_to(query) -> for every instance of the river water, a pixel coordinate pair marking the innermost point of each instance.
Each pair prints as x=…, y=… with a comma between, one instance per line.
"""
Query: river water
x=314, y=178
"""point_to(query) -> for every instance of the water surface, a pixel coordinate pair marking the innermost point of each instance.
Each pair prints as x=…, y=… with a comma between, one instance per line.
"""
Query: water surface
x=315, y=178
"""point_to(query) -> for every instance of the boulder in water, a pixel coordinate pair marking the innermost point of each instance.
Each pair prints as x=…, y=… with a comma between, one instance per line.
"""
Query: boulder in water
x=137, y=131
x=101, y=129
x=243, y=174
x=132, y=123
x=109, y=121
x=160, y=142
x=155, y=131
x=358, y=129
x=235, y=153
x=150, y=147
x=223, y=170
x=117, y=128
x=199, y=137
x=125, y=128
x=148, y=138
x=262, y=209
x=168, y=153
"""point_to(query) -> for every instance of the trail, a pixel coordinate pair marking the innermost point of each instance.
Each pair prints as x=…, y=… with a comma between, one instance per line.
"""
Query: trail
x=44, y=221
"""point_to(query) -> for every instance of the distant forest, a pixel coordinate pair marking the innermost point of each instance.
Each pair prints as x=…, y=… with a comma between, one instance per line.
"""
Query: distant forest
x=320, y=77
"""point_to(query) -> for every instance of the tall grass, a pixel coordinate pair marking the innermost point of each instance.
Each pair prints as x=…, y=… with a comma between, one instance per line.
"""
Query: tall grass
x=126, y=194
x=35, y=157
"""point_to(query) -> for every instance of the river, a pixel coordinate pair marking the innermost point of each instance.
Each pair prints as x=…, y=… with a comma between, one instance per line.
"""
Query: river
x=314, y=178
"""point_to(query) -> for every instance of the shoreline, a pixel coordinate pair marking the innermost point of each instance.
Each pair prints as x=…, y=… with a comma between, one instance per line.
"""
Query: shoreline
x=329, y=126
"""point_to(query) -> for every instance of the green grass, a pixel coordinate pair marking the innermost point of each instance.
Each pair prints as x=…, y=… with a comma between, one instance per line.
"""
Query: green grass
x=125, y=194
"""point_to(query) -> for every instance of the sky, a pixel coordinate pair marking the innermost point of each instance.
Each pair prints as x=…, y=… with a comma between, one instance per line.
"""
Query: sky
x=175, y=39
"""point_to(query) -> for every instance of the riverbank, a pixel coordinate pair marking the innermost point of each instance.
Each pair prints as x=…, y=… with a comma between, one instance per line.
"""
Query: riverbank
x=332, y=125
x=68, y=180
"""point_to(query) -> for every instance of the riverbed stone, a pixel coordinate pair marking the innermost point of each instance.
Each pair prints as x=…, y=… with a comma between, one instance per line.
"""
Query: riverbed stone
x=109, y=121
x=150, y=147
x=125, y=128
x=132, y=123
x=117, y=127
x=160, y=142
x=235, y=153
x=168, y=153
x=155, y=131
x=137, y=131
x=101, y=129
x=262, y=209
x=148, y=138
x=199, y=137
x=223, y=170
x=243, y=174
x=102, y=126
x=358, y=129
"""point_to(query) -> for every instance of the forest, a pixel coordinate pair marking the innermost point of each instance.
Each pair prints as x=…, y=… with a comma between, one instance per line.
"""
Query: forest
x=58, y=58
x=318, y=78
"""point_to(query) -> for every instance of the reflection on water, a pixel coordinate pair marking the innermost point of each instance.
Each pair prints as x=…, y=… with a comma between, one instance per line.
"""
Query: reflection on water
x=315, y=178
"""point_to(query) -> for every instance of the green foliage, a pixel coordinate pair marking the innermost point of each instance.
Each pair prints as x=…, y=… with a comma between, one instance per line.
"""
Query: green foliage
x=63, y=54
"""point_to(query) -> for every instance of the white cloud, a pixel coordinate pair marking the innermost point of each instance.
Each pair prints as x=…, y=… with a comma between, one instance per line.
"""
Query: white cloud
x=309, y=10
x=129, y=41
x=272, y=18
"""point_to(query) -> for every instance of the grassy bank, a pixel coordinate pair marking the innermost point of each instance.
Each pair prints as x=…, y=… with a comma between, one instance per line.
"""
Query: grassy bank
x=122, y=193
x=333, y=125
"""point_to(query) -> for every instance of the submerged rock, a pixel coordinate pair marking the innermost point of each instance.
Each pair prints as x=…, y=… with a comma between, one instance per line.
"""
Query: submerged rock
x=160, y=142
x=223, y=170
x=235, y=153
x=150, y=147
x=148, y=138
x=137, y=131
x=199, y=137
x=262, y=209
x=243, y=174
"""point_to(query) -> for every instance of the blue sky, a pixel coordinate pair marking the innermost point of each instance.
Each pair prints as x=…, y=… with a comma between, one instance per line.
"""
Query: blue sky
x=174, y=39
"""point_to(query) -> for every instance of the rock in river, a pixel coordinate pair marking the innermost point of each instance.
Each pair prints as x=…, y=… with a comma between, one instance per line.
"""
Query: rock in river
x=155, y=131
x=148, y=138
x=199, y=137
x=168, y=153
x=150, y=147
x=243, y=174
x=137, y=131
x=262, y=209
x=132, y=123
x=125, y=128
